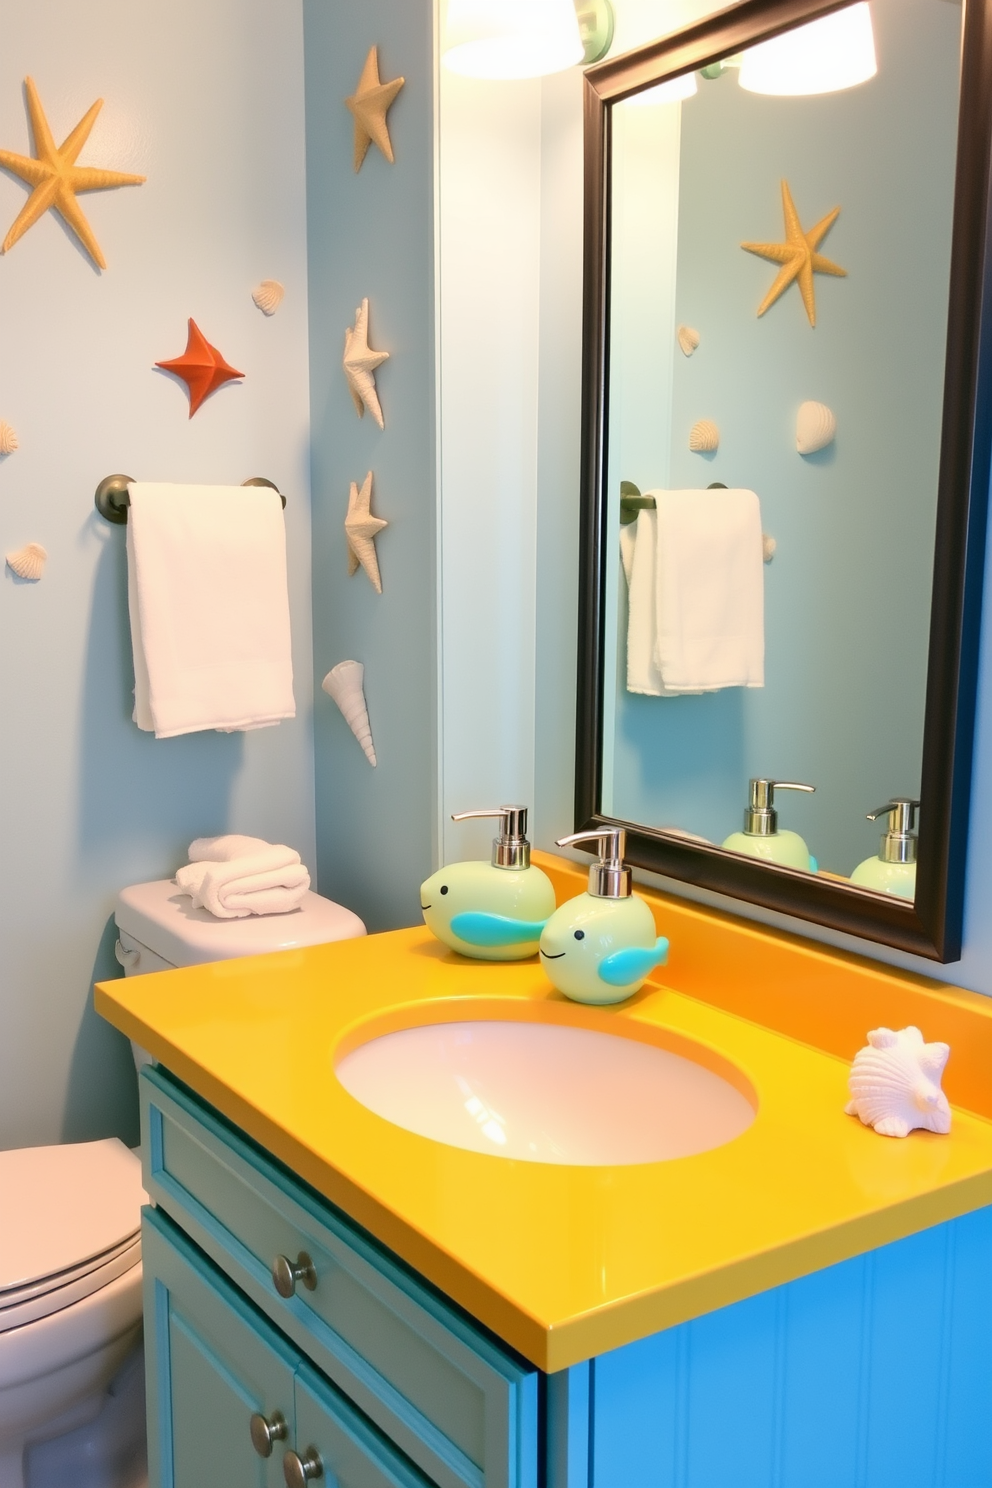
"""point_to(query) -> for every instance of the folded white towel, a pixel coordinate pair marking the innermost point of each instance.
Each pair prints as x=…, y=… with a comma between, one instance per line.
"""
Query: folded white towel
x=269, y=880
x=709, y=587
x=230, y=845
x=209, y=607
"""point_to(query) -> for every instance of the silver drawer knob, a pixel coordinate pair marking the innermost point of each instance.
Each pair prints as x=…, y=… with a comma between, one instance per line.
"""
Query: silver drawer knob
x=265, y=1432
x=286, y=1275
x=299, y=1471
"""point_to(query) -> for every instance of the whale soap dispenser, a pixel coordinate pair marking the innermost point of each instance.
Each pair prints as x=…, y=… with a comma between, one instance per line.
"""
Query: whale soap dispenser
x=893, y=869
x=599, y=947
x=761, y=837
x=493, y=911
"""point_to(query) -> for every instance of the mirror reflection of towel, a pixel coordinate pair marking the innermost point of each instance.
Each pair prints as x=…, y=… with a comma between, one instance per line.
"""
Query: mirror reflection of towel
x=696, y=621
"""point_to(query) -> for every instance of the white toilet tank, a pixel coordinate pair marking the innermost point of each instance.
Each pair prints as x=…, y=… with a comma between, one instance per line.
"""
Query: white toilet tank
x=158, y=930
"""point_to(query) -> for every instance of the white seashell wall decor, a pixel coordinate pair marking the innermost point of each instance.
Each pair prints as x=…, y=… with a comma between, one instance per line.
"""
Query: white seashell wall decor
x=704, y=436
x=28, y=562
x=895, y=1084
x=768, y=546
x=816, y=427
x=688, y=339
x=8, y=439
x=345, y=684
x=268, y=296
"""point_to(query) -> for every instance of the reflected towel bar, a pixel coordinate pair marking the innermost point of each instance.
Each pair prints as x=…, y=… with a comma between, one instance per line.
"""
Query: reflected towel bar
x=632, y=502
x=112, y=500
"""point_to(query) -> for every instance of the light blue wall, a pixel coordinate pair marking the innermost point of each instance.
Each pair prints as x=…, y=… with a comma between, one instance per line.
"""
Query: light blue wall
x=847, y=595
x=371, y=235
x=206, y=100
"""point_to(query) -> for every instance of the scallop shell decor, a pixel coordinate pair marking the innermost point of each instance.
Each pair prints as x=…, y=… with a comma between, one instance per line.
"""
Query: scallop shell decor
x=268, y=296
x=28, y=562
x=704, y=436
x=895, y=1084
x=816, y=427
x=688, y=339
x=8, y=439
x=768, y=547
x=345, y=684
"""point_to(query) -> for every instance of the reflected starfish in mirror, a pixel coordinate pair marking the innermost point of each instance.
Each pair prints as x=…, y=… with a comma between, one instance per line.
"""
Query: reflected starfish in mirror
x=798, y=256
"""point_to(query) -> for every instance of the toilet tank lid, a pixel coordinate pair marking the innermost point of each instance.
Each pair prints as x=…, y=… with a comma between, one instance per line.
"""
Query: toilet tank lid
x=165, y=921
x=63, y=1205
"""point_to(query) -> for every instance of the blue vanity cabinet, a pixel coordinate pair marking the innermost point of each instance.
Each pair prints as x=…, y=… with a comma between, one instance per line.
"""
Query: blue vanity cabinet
x=214, y=1364
x=461, y=1407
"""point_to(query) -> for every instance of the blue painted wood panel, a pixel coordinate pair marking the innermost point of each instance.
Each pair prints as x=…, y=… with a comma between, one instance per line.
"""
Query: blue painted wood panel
x=876, y=1373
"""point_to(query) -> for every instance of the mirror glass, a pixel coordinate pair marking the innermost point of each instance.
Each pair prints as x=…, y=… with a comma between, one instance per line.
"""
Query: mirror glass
x=777, y=270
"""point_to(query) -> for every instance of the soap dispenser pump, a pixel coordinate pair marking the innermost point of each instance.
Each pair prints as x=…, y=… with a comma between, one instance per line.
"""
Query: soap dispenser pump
x=893, y=869
x=761, y=837
x=599, y=947
x=491, y=911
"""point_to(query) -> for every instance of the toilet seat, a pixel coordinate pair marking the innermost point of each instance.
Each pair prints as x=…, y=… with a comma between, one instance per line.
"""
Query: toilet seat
x=61, y=1293
x=69, y=1212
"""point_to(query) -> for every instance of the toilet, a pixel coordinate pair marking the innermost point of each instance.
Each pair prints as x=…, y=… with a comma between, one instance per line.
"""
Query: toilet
x=70, y=1289
x=158, y=930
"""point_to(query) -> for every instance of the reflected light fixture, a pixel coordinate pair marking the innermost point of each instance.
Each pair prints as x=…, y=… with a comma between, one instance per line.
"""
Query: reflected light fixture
x=835, y=52
x=671, y=92
x=511, y=38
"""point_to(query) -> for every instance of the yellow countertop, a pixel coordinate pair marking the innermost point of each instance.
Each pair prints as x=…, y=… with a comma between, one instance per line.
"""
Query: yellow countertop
x=567, y=1262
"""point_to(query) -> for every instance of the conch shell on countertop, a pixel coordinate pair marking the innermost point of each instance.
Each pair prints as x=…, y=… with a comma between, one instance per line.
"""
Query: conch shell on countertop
x=28, y=562
x=895, y=1084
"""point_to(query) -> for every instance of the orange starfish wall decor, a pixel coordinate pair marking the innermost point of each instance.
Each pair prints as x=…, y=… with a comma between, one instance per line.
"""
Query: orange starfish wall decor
x=798, y=256
x=56, y=177
x=201, y=367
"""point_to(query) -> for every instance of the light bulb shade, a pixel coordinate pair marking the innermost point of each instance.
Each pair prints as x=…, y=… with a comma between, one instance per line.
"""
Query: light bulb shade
x=671, y=92
x=835, y=52
x=511, y=38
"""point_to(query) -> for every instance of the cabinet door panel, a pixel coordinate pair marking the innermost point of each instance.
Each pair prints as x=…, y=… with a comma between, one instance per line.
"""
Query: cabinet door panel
x=211, y=1364
x=352, y=1452
x=463, y=1409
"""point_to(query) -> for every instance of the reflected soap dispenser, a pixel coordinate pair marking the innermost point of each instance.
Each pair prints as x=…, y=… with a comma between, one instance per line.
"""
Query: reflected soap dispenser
x=492, y=911
x=761, y=837
x=893, y=870
x=599, y=947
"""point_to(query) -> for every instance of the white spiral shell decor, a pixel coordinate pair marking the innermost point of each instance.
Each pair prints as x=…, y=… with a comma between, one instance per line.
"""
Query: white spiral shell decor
x=816, y=427
x=28, y=562
x=895, y=1084
x=704, y=436
x=345, y=683
x=8, y=439
x=268, y=296
x=688, y=339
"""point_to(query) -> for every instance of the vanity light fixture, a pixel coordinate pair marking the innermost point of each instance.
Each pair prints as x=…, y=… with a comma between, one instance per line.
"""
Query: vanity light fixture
x=507, y=39
x=835, y=52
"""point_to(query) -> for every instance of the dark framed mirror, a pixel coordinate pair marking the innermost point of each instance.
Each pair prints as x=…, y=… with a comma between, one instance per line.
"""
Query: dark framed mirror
x=786, y=447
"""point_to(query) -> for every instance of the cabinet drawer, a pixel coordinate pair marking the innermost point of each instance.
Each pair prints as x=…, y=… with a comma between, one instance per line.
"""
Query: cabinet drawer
x=461, y=1407
x=214, y=1361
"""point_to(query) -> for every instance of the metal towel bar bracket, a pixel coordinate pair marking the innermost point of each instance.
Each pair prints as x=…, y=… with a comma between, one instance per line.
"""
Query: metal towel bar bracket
x=112, y=500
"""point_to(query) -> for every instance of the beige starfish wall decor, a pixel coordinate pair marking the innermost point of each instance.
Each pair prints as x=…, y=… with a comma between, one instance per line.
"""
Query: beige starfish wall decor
x=56, y=178
x=798, y=256
x=369, y=105
x=361, y=529
x=360, y=363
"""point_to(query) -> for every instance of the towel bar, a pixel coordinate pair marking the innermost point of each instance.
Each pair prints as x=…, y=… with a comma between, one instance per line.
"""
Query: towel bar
x=631, y=500
x=112, y=500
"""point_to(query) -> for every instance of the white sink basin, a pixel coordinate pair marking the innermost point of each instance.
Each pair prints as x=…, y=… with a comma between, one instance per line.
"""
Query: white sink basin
x=544, y=1092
